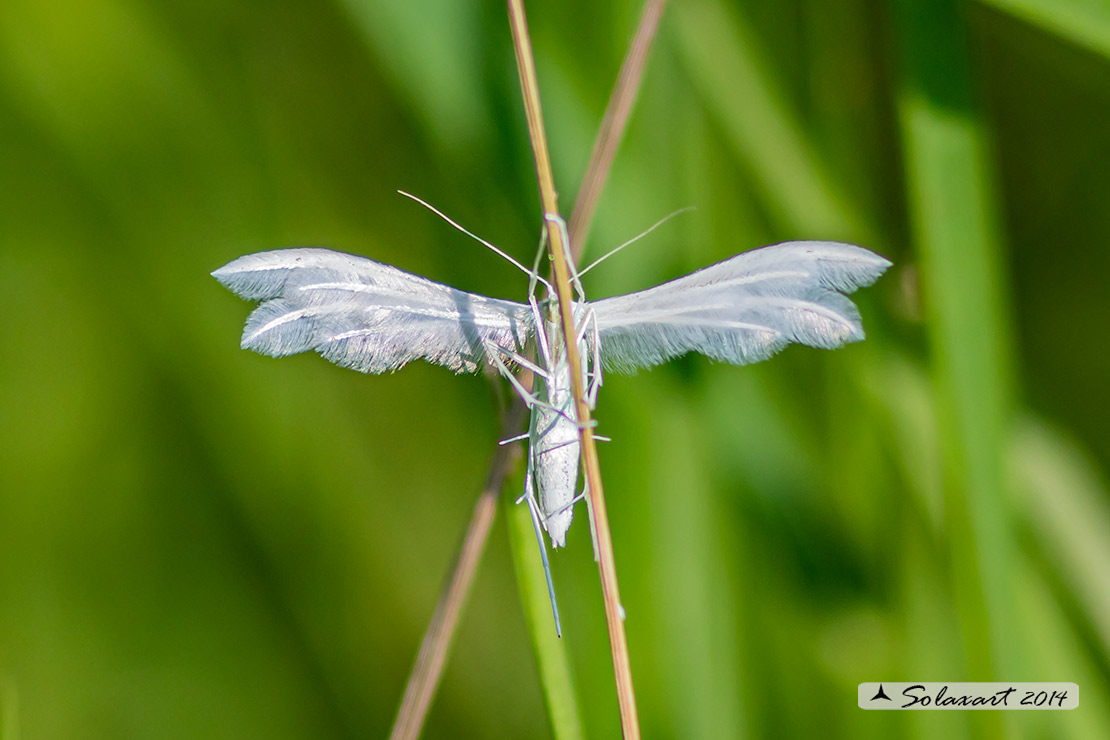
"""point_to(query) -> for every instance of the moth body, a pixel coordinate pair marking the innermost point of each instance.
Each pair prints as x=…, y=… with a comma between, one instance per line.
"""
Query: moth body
x=554, y=445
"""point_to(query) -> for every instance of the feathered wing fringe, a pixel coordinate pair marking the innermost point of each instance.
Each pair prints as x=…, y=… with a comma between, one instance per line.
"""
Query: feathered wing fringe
x=365, y=315
x=375, y=318
x=742, y=310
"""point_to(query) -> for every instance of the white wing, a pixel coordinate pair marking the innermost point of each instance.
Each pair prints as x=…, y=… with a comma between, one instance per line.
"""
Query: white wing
x=365, y=315
x=742, y=310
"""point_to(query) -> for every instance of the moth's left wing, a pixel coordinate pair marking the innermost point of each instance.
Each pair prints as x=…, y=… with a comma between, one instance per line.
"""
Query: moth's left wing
x=742, y=310
x=365, y=315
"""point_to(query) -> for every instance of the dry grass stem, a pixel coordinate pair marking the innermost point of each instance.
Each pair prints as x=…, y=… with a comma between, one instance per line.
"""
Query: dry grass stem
x=618, y=641
x=613, y=125
x=427, y=670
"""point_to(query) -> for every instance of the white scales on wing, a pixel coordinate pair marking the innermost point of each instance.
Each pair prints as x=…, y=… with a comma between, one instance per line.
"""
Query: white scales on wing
x=375, y=318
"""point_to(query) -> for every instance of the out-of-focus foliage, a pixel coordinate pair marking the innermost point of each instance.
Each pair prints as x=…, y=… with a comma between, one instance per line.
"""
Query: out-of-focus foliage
x=196, y=541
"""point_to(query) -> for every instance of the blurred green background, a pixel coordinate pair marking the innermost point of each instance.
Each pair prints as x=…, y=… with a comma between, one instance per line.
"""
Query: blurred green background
x=196, y=541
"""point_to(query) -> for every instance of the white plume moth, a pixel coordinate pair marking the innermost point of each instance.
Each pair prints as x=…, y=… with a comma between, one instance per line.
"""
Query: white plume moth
x=375, y=318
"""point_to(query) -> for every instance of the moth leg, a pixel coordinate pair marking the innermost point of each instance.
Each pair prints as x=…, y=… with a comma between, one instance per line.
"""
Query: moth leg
x=493, y=352
x=590, y=516
x=517, y=438
x=592, y=424
x=530, y=399
x=580, y=330
x=595, y=366
x=560, y=446
x=561, y=225
x=573, y=501
x=592, y=364
x=534, y=510
x=541, y=332
x=529, y=495
x=530, y=466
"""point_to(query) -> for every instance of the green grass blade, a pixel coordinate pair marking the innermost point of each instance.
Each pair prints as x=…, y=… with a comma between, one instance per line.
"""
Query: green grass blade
x=727, y=67
x=952, y=212
x=1065, y=506
x=428, y=59
x=9, y=710
x=551, y=654
x=1085, y=23
x=692, y=538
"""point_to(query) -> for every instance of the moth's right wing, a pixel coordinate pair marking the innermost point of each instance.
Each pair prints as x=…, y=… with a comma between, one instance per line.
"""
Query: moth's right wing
x=365, y=315
x=742, y=310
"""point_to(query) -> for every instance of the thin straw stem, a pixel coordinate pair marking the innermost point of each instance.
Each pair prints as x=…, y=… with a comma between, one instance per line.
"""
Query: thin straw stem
x=613, y=125
x=618, y=642
x=428, y=668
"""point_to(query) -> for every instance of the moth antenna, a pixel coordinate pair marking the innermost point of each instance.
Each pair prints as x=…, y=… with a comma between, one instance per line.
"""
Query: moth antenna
x=636, y=238
x=497, y=250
